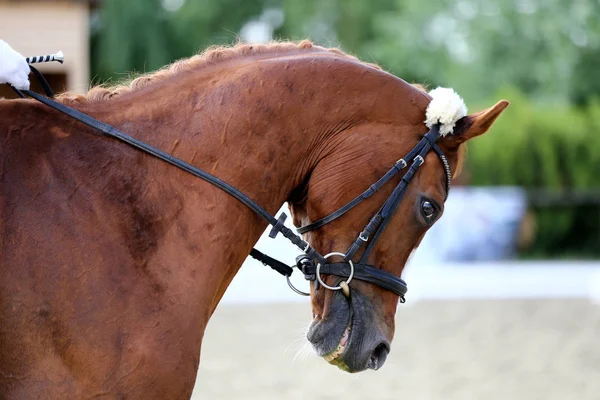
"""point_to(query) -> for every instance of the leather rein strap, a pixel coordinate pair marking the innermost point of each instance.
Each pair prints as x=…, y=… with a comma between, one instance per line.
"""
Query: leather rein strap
x=113, y=132
x=311, y=260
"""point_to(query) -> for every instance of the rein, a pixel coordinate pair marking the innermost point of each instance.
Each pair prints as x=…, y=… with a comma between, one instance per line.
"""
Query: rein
x=312, y=264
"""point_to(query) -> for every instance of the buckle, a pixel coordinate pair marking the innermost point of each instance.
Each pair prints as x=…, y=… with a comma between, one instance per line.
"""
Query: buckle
x=304, y=264
x=402, y=162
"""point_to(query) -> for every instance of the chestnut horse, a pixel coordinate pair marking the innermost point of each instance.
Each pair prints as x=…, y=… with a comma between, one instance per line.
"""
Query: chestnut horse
x=113, y=261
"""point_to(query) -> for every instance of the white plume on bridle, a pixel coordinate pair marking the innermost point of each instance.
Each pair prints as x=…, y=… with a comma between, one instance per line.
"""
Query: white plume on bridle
x=446, y=107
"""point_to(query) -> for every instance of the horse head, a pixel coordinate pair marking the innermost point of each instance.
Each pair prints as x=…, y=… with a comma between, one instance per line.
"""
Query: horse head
x=353, y=327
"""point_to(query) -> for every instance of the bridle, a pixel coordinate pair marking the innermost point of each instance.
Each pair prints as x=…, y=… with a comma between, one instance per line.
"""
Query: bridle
x=312, y=264
x=312, y=268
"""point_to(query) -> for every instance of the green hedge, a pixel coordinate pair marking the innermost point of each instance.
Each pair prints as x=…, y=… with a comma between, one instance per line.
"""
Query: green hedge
x=552, y=147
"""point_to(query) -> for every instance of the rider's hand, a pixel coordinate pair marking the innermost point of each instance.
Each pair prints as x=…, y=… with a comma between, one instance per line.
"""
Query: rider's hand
x=13, y=67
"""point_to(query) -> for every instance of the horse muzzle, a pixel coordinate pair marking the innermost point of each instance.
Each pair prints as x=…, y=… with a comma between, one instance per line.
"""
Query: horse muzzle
x=348, y=336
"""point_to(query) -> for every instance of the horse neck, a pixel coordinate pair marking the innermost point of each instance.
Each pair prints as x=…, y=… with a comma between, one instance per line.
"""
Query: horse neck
x=237, y=129
x=259, y=126
x=244, y=136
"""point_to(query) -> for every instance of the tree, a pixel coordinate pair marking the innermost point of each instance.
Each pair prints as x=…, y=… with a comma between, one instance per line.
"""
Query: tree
x=547, y=48
x=143, y=35
x=130, y=36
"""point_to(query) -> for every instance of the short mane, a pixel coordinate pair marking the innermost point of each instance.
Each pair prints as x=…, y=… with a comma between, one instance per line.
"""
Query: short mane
x=213, y=55
x=208, y=57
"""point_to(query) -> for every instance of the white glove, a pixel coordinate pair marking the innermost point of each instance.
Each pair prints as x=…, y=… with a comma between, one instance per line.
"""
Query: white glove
x=13, y=67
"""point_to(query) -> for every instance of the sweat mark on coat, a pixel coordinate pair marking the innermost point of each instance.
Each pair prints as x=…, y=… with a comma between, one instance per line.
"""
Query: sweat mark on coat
x=141, y=227
x=60, y=340
x=225, y=128
x=290, y=87
x=175, y=145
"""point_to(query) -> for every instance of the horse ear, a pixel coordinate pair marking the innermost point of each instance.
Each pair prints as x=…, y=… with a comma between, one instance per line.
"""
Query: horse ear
x=474, y=125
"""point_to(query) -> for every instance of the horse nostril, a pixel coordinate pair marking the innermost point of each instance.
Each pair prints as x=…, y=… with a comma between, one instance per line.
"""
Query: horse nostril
x=378, y=356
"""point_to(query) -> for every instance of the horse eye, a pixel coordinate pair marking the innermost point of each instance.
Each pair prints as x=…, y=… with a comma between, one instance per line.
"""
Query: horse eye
x=428, y=209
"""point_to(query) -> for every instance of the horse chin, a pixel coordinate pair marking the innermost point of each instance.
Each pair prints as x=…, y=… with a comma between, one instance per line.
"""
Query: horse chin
x=348, y=337
x=336, y=357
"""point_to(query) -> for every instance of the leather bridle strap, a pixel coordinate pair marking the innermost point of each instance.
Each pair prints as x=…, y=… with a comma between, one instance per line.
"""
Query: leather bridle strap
x=383, y=216
x=428, y=138
x=398, y=166
x=362, y=272
x=391, y=205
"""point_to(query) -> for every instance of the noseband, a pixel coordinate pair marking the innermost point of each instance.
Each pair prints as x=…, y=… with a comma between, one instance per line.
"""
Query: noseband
x=311, y=263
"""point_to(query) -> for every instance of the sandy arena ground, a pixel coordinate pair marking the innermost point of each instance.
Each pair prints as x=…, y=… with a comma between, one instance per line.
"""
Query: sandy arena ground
x=503, y=349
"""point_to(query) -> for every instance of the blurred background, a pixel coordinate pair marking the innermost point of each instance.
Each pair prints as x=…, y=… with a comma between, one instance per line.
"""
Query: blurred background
x=503, y=291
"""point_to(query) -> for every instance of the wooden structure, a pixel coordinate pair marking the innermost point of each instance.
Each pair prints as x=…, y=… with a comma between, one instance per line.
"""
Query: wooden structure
x=38, y=27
